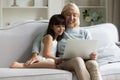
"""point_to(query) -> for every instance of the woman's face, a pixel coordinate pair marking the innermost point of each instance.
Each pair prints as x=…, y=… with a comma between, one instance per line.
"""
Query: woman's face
x=71, y=17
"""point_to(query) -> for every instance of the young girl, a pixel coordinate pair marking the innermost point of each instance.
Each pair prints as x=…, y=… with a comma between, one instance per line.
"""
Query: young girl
x=46, y=58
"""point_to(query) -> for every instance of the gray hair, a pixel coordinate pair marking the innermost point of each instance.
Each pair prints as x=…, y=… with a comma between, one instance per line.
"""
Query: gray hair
x=74, y=7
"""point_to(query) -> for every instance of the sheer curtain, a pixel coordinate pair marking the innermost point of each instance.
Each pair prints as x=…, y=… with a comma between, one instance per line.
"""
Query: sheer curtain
x=114, y=13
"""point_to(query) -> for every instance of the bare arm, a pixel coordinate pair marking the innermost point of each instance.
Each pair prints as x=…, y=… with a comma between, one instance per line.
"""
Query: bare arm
x=47, y=41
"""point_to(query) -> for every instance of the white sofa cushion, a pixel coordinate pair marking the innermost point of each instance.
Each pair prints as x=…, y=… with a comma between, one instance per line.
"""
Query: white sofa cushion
x=104, y=33
x=110, y=69
x=110, y=54
x=106, y=36
x=34, y=74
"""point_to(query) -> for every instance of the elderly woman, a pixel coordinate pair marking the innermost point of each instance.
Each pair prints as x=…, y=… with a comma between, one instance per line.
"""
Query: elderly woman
x=84, y=69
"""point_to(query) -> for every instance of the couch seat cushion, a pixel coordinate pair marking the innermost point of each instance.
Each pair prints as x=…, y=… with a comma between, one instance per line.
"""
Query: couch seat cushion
x=33, y=74
x=110, y=69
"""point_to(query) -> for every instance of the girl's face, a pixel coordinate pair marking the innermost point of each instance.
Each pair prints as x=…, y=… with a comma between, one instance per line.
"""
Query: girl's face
x=71, y=17
x=58, y=29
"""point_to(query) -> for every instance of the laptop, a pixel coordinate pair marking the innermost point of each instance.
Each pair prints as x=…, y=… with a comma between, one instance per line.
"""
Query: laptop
x=82, y=48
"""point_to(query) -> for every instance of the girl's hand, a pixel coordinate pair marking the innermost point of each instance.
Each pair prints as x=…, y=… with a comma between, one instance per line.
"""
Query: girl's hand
x=32, y=60
x=93, y=56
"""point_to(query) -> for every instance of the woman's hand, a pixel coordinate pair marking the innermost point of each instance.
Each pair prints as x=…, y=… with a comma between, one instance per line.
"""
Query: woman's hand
x=32, y=60
x=93, y=56
x=59, y=60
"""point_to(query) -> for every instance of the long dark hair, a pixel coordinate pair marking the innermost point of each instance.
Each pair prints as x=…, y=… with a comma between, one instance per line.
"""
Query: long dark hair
x=56, y=19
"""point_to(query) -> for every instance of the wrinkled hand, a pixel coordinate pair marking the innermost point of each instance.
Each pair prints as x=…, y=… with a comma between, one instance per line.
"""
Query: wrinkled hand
x=32, y=60
x=93, y=56
x=58, y=60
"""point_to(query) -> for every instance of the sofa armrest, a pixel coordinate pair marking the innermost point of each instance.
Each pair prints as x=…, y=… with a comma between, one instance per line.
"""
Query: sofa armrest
x=118, y=44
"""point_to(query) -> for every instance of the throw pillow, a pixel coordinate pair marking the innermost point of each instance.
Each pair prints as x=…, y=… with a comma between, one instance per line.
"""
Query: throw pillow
x=109, y=54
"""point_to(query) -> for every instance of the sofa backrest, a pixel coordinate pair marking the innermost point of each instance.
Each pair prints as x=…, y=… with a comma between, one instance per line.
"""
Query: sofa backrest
x=104, y=33
x=16, y=41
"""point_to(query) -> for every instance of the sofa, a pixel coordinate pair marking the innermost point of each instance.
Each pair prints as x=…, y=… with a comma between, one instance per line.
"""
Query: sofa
x=16, y=43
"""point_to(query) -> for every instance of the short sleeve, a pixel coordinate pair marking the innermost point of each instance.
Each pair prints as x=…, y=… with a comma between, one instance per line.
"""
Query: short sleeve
x=36, y=44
